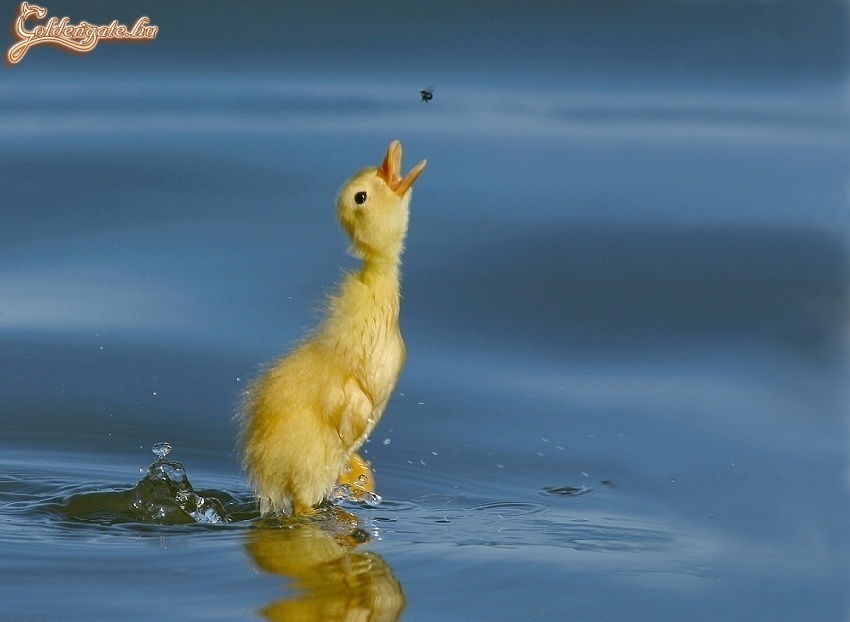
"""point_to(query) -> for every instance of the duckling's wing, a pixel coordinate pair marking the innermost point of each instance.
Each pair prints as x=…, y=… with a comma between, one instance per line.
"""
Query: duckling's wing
x=351, y=413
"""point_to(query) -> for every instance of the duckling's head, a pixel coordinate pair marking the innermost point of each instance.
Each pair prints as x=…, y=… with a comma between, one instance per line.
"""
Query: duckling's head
x=374, y=207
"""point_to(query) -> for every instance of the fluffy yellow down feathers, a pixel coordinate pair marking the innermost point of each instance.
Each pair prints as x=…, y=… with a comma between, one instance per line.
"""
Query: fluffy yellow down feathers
x=304, y=420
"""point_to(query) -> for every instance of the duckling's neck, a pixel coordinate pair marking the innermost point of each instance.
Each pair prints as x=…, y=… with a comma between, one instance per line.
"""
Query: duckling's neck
x=363, y=315
x=381, y=270
x=375, y=294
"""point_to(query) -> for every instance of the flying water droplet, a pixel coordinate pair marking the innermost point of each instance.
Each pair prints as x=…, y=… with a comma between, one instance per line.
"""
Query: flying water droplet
x=161, y=450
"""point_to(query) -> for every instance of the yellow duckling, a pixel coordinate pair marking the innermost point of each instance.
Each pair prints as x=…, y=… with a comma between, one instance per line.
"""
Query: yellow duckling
x=305, y=418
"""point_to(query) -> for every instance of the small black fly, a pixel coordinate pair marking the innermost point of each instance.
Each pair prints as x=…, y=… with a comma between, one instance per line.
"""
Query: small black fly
x=427, y=94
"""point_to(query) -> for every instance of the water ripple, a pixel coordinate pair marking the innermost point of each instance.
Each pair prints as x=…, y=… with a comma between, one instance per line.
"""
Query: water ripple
x=508, y=508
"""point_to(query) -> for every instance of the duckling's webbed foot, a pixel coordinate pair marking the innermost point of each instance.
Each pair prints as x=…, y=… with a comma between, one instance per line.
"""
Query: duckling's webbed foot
x=357, y=476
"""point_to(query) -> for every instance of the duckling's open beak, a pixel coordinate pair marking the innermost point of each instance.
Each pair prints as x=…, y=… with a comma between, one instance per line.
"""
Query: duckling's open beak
x=390, y=170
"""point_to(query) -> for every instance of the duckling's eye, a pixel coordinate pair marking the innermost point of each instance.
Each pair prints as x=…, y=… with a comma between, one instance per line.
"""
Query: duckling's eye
x=360, y=198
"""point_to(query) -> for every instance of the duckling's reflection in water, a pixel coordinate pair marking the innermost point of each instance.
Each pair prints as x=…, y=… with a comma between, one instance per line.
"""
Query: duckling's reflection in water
x=334, y=580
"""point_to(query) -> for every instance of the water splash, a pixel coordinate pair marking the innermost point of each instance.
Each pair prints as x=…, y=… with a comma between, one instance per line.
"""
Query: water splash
x=164, y=496
x=349, y=492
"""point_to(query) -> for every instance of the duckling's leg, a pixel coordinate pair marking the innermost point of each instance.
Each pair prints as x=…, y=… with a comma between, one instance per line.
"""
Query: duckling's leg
x=357, y=476
x=302, y=509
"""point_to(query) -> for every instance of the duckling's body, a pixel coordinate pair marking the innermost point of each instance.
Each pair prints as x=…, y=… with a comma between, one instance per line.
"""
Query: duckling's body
x=306, y=417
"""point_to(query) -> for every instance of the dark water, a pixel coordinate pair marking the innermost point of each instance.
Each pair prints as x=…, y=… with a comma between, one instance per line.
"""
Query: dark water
x=625, y=305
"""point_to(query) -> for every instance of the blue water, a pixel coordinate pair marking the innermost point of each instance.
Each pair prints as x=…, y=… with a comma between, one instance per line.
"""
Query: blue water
x=626, y=294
